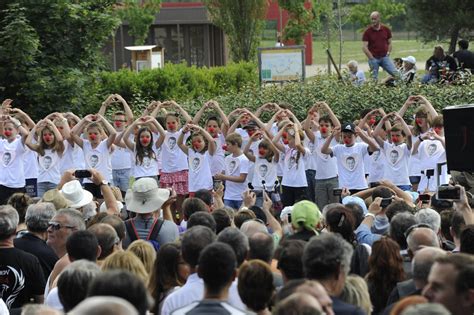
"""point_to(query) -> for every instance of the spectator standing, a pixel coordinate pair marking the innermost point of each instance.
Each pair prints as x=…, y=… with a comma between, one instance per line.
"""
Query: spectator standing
x=21, y=277
x=377, y=45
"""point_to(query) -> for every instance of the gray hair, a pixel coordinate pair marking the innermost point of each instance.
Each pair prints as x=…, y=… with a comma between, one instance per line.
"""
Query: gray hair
x=35, y=309
x=250, y=227
x=74, y=217
x=89, y=210
x=424, y=260
x=8, y=221
x=426, y=309
x=237, y=240
x=430, y=217
x=353, y=63
x=422, y=237
x=104, y=305
x=324, y=254
x=38, y=215
x=399, y=224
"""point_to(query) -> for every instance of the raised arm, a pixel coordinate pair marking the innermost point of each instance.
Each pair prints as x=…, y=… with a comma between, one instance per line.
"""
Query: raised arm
x=246, y=151
x=125, y=136
x=326, y=147
x=307, y=126
x=335, y=121
x=405, y=128
x=367, y=139
x=29, y=139
x=276, y=139
x=410, y=101
x=211, y=144
x=105, y=104
x=126, y=108
x=110, y=130
x=180, y=141
x=298, y=144
x=431, y=111
x=78, y=129
x=24, y=116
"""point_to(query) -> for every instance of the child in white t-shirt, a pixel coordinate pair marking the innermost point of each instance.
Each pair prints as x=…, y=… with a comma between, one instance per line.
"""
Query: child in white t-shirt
x=350, y=156
x=236, y=170
x=397, y=152
x=294, y=184
x=97, y=147
x=12, y=149
x=265, y=160
x=144, y=148
x=326, y=179
x=215, y=127
x=199, y=154
x=50, y=148
x=430, y=148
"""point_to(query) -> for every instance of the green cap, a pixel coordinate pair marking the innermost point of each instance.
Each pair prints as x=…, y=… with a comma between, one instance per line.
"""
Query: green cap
x=305, y=213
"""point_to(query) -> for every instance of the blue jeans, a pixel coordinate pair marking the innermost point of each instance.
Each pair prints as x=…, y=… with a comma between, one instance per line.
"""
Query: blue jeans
x=386, y=64
x=44, y=187
x=311, y=180
x=234, y=204
x=121, y=178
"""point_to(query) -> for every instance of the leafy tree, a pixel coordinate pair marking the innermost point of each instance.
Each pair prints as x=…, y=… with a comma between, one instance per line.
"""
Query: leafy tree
x=51, y=50
x=438, y=19
x=303, y=18
x=140, y=15
x=389, y=9
x=242, y=21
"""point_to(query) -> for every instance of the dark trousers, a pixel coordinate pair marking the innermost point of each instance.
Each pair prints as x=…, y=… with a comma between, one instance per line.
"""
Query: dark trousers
x=292, y=195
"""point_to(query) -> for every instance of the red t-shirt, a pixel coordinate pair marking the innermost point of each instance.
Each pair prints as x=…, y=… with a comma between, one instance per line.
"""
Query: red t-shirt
x=378, y=40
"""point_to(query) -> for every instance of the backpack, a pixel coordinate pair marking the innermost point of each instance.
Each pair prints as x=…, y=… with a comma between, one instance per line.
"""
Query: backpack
x=152, y=235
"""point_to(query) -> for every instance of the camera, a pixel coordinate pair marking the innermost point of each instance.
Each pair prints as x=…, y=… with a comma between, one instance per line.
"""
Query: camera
x=337, y=192
x=448, y=193
x=82, y=174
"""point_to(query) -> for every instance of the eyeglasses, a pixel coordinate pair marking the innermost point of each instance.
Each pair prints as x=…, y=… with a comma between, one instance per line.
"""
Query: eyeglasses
x=415, y=226
x=55, y=226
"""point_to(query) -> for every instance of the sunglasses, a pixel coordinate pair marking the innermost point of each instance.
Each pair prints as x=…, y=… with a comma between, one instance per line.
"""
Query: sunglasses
x=55, y=226
x=413, y=227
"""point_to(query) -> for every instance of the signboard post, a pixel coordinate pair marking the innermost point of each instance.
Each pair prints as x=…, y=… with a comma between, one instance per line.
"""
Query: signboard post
x=281, y=64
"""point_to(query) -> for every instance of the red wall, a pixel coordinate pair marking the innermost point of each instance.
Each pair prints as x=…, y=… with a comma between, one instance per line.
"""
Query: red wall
x=272, y=14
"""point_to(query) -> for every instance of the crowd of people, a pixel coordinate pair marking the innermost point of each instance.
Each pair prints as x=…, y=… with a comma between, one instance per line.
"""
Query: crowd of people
x=439, y=68
x=232, y=213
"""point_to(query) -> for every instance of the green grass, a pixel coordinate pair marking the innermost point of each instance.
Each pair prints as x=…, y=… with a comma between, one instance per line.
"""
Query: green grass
x=353, y=50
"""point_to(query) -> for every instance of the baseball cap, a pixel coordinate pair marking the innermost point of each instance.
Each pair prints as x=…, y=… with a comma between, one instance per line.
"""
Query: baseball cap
x=348, y=127
x=410, y=59
x=305, y=213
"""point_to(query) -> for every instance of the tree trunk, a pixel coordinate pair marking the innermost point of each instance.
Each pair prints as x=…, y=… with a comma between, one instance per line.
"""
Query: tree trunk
x=339, y=26
x=453, y=39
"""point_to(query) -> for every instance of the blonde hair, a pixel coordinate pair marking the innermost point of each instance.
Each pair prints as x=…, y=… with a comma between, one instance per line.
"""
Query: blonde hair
x=356, y=293
x=145, y=252
x=127, y=261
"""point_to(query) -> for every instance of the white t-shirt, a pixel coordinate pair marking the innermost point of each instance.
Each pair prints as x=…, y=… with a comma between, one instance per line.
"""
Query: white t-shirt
x=350, y=164
x=254, y=150
x=310, y=159
x=199, y=175
x=30, y=165
x=264, y=171
x=414, y=165
x=234, y=166
x=396, y=163
x=376, y=167
x=173, y=158
x=294, y=169
x=98, y=158
x=73, y=157
x=49, y=167
x=12, y=172
x=244, y=134
x=149, y=165
x=430, y=153
x=217, y=160
x=121, y=158
x=326, y=165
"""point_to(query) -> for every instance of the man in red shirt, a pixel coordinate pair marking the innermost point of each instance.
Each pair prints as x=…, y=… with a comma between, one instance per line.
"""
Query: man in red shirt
x=377, y=41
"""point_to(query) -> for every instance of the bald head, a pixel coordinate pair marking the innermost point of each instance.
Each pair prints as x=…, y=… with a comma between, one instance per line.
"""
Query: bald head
x=107, y=237
x=375, y=18
x=422, y=262
x=422, y=237
x=298, y=303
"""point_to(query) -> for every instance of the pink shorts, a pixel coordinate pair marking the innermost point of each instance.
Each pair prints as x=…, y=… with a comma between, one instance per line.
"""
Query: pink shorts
x=177, y=180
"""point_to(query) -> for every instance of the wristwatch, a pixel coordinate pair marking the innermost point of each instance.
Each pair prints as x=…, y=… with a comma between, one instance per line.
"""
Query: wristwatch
x=368, y=214
x=104, y=182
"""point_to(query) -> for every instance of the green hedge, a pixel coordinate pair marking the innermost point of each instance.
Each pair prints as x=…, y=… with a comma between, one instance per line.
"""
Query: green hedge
x=347, y=101
x=179, y=82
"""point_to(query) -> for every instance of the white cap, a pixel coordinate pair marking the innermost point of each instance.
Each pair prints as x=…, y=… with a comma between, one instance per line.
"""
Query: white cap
x=410, y=59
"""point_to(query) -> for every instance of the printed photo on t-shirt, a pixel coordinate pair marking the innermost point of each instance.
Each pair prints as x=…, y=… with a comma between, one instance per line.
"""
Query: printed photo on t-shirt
x=291, y=162
x=46, y=162
x=232, y=167
x=146, y=162
x=93, y=160
x=431, y=149
x=7, y=158
x=172, y=143
x=376, y=156
x=195, y=164
x=263, y=170
x=350, y=163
